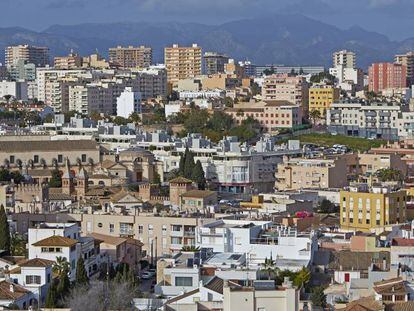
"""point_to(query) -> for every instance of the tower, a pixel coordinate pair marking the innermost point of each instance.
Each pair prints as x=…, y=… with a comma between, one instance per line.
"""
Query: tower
x=179, y=186
x=67, y=179
x=82, y=183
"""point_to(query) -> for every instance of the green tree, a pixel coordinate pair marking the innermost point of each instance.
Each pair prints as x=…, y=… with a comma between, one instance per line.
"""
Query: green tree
x=4, y=231
x=198, y=175
x=389, y=174
x=302, y=277
x=318, y=297
x=51, y=297
x=134, y=118
x=157, y=178
x=182, y=163
x=4, y=175
x=327, y=207
x=68, y=115
x=189, y=165
x=120, y=120
x=220, y=121
x=315, y=115
x=56, y=179
x=48, y=118
x=81, y=275
x=17, y=177
x=269, y=266
x=95, y=116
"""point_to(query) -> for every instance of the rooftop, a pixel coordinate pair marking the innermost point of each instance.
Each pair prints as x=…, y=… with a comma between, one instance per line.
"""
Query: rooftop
x=56, y=240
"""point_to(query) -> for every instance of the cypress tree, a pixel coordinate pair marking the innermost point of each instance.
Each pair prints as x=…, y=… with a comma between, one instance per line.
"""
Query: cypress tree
x=182, y=163
x=63, y=286
x=198, y=176
x=4, y=231
x=51, y=296
x=189, y=165
x=81, y=275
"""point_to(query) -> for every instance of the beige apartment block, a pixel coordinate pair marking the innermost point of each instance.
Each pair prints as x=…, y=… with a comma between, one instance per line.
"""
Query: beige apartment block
x=288, y=88
x=72, y=61
x=131, y=57
x=182, y=62
x=198, y=200
x=301, y=173
x=37, y=55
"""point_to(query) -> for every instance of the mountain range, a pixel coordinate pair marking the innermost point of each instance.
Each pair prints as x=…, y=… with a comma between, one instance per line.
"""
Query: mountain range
x=289, y=39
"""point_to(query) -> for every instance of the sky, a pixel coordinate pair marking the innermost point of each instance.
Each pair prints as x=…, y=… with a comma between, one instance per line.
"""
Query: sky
x=393, y=18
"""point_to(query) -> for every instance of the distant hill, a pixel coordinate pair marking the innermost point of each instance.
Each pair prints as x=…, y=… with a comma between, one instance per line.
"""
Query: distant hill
x=276, y=39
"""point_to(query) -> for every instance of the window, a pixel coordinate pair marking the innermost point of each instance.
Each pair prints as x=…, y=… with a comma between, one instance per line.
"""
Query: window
x=140, y=229
x=33, y=279
x=100, y=225
x=111, y=228
x=164, y=242
x=11, y=159
x=83, y=157
x=60, y=158
x=183, y=281
x=73, y=264
x=36, y=159
x=150, y=229
x=164, y=229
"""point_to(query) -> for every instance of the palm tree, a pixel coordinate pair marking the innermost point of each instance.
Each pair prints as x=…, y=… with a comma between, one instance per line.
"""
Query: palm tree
x=270, y=267
x=6, y=163
x=19, y=163
x=302, y=277
x=61, y=266
x=54, y=163
x=43, y=163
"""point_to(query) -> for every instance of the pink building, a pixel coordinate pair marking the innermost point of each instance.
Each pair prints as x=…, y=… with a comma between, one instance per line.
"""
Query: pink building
x=386, y=76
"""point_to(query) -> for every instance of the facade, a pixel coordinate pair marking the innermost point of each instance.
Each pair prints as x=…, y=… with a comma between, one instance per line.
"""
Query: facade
x=131, y=57
x=152, y=82
x=301, y=173
x=344, y=58
x=21, y=70
x=365, y=208
x=182, y=62
x=271, y=114
x=18, y=90
x=128, y=102
x=407, y=60
x=383, y=76
x=72, y=61
x=321, y=97
x=198, y=200
x=282, y=87
x=214, y=63
x=39, y=56
x=362, y=119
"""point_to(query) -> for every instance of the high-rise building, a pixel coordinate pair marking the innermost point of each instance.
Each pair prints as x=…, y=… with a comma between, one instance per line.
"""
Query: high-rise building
x=29, y=54
x=182, y=62
x=214, y=63
x=365, y=208
x=407, y=60
x=22, y=71
x=131, y=57
x=152, y=82
x=128, y=102
x=344, y=58
x=288, y=88
x=72, y=61
x=383, y=76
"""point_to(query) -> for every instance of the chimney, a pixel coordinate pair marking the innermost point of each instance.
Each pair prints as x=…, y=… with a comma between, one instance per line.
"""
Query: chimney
x=11, y=288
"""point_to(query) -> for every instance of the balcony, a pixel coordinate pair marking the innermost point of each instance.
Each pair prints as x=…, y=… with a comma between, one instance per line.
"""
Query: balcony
x=126, y=232
x=189, y=233
x=177, y=234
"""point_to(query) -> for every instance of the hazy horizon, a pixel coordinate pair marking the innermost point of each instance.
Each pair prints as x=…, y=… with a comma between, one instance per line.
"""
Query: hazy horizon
x=389, y=17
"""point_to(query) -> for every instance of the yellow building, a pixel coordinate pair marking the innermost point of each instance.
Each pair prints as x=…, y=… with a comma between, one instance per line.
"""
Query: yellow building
x=321, y=97
x=182, y=62
x=364, y=208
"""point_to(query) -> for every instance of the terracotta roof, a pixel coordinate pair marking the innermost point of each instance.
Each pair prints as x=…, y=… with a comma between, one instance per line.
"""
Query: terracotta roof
x=47, y=145
x=55, y=196
x=402, y=242
x=198, y=194
x=56, y=240
x=7, y=294
x=36, y=262
x=107, y=164
x=107, y=238
x=40, y=173
x=16, y=270
x=363, y=304
x=180, y=180
x=99, y=176
x=400, y=306
x=13, y=259
x=395, y=286
x=121, y=194
x=346, y=260
x=278, y=103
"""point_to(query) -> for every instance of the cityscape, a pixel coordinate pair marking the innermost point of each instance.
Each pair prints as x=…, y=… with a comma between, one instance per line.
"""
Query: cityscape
x=195, y=175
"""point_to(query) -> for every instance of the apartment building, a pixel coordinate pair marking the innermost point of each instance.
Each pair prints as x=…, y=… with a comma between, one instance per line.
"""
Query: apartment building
x=271, y=114
x=301, y=173
x=365, y=208
x=407, y=60
x=283, y=87
x=214, y=63
x=383, y=76
x=21, y=70
x=71, y=61
x=39, y=56
x=363, y=119
x=131, y=57
x=128, y=102
x=321, y=97
x=152, y=82
x=182, y=62
x=18, y=90
x=344, y=58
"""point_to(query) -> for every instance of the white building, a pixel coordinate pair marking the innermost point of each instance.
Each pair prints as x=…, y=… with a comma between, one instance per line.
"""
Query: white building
x=18, y=90
x=128, y=102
